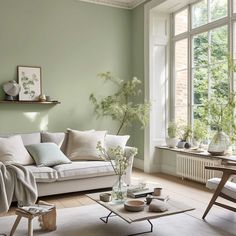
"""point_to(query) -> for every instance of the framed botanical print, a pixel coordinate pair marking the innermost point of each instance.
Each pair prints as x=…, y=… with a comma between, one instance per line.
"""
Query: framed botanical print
x=29, y=79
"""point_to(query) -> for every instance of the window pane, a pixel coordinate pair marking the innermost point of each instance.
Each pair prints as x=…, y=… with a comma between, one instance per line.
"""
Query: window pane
x=234, y=50
x=181, y=22
x=218, y=9
x=199, y=14
x=219, y=44
x=198, y=111
x=234, y=6
x=181, y=96
x=219, y=80
x=200, y=85
x=200, y=49
x=181, y=55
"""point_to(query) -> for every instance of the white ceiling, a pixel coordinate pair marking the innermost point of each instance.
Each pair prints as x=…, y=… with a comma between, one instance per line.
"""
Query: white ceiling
x=127, y=4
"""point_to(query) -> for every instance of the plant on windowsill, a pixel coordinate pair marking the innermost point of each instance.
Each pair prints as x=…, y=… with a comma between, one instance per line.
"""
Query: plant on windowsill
x=172, y=131
x=219, y=111
x=199, y=133
x=121, y=106
x=221, y=119
x=185, y=135
x=119, y=162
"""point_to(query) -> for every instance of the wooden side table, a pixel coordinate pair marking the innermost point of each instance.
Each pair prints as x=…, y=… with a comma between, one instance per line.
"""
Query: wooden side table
x=47, y=220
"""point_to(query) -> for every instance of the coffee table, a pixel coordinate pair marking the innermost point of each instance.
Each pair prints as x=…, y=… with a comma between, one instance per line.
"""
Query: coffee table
x=174, y=207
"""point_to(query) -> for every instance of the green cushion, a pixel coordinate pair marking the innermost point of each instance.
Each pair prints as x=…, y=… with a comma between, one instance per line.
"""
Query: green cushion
x=47, y=154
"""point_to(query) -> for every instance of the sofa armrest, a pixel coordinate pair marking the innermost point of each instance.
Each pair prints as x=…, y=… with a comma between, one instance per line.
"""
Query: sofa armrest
x=129, y=152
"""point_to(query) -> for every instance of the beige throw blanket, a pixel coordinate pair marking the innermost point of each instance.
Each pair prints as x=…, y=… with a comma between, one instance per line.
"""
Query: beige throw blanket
x=18, y=182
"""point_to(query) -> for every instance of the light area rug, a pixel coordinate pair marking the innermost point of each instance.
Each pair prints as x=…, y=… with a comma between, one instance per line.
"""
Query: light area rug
x=84, y=221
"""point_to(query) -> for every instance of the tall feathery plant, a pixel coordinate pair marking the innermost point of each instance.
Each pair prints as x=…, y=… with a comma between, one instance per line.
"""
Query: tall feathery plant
x=121, y=106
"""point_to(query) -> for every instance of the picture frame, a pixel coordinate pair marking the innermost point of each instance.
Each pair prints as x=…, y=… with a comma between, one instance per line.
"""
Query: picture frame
x=30, y=81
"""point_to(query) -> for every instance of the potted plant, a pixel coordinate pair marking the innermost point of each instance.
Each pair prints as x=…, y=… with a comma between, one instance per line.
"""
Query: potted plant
x=185, y=136
x=221, y=119
x=199, y=132
x=172, y=131
x=121, y=105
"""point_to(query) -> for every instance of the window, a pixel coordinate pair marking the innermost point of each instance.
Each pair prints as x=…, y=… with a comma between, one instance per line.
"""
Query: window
x=201, y=39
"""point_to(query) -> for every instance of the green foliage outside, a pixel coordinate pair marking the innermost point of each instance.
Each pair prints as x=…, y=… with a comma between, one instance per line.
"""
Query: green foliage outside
x=213, y=68
x=120, y=106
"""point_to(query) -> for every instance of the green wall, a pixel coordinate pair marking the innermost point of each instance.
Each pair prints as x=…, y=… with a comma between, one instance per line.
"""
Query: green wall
x=72, y=41
x=138, y=69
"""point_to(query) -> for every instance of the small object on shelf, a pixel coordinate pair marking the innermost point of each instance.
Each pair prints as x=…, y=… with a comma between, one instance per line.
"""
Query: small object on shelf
x=42, y=98
x=134, y=205
x=48, y=98
x=11, y=89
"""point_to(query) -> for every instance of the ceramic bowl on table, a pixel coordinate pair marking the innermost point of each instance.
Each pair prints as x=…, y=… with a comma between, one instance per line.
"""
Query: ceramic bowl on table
x=134, y=205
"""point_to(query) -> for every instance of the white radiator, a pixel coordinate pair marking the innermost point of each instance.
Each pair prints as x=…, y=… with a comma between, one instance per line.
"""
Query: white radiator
x=192, y=167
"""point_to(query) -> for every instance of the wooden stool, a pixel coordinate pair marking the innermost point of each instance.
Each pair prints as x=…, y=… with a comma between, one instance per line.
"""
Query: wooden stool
x=47, y=220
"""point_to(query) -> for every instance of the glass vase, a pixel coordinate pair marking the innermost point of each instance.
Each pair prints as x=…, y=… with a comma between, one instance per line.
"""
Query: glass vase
x=119, y=190
x=219, y=144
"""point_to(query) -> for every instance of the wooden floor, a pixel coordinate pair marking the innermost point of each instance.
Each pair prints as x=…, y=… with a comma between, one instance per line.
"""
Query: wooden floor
x=192, y=193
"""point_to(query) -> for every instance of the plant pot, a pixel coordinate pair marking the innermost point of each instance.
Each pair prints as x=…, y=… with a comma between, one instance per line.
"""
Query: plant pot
x=172, y=142
x=181, y=144
x=219, y=144
x=196, y=143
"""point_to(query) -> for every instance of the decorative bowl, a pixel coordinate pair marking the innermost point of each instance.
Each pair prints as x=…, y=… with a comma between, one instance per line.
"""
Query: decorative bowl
x=105, y=197
x=134, y=205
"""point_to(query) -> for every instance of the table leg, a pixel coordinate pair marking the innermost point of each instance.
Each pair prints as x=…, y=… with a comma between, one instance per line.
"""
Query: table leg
x=105, y=218
x=151, y=230
x=15, y=225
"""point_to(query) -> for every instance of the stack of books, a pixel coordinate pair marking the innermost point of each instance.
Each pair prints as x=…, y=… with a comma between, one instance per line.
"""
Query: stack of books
x=137, y=191
x=35, y=209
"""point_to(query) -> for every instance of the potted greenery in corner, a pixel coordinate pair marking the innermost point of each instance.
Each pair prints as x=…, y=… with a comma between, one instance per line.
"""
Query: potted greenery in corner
x=172, y=131
x=120, y=106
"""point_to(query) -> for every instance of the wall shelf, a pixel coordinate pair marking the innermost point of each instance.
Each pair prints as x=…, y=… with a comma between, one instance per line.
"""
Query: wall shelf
x=30, y=102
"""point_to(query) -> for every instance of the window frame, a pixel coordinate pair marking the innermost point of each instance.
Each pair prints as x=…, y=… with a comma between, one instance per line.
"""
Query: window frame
x=228, y=20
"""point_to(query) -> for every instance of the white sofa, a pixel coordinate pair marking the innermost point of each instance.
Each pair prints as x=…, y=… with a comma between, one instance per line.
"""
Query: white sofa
x=77, y=176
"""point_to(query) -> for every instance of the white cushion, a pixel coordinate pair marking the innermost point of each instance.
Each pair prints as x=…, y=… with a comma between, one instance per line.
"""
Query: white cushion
x=82, y=144
x=12, y=149
x=43, y=174
x=83, y=169
x=112, y=141
x=229, y=188
x=31, y=138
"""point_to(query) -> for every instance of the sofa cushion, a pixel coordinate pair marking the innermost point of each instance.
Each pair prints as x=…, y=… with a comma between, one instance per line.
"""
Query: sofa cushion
x=47, y=154
x=12, y=149
x=83, y=169
x=59, y=138
x=112, y=141
x=82, y=144
x=43, y=174
x=229, y=188
x=31, y=138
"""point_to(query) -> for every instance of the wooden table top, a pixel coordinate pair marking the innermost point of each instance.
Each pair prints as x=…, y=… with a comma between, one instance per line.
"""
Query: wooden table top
x=174, y=207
